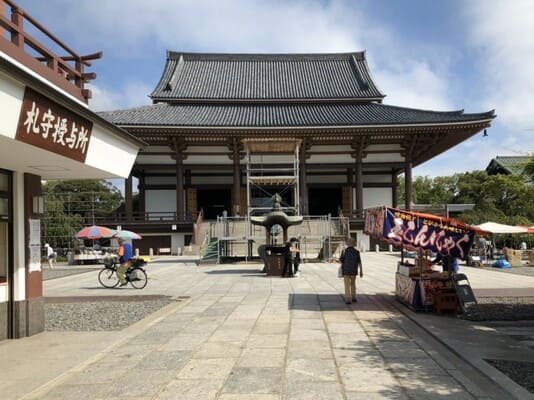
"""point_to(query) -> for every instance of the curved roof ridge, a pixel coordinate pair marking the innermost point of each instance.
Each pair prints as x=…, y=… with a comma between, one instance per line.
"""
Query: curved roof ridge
x=360, y=55
x=450, y=112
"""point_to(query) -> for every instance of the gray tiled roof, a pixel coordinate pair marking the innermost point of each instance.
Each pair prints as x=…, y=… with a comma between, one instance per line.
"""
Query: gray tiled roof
x=507, y=164
x=260, y=77
x=288, y=115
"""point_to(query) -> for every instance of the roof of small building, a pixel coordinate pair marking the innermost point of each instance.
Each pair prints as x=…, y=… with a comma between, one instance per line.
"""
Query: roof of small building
x=285, y=115
x=264, y=77
x=507, y=165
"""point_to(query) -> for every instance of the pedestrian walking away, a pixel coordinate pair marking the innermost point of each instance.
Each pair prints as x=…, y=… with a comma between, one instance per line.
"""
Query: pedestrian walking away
x=295, y=255
x=51, y=255
x=125, y=256
x=287, y=271
x=351, y=264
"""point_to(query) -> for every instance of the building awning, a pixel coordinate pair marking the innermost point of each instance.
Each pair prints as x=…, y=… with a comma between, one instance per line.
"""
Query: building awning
x=47, y=133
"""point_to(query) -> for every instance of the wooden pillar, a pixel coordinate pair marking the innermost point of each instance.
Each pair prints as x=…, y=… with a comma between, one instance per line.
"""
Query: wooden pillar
x=128, y=202
x=142, y=193
x=179, y=147
x=180, y=209
x=408, y=183
x=394, y=191
x=303, y=182
x=350, y=183
x=359, y=185
x=2, y=14
x=359, y=144
x=236, y=188
x=17, y=18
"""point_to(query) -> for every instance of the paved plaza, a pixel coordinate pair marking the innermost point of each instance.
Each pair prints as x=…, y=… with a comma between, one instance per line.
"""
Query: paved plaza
x=234, y=334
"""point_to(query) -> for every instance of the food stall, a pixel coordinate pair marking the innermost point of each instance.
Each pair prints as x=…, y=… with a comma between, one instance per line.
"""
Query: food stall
x=418, y=282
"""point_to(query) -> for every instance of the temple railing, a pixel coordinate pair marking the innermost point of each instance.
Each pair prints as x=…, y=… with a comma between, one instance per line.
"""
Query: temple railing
x=146, y=217
x=17, y=41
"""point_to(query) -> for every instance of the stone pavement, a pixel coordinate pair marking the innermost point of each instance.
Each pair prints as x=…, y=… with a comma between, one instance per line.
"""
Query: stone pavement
x=242, y=336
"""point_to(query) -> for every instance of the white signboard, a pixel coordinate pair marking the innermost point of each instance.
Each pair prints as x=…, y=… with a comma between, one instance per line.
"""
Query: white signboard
x=35, y=245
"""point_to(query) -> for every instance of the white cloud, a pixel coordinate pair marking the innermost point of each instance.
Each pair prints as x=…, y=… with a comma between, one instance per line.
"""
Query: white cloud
x=250, y=26
x=414, y=85
x=412, y=74
x=503, y=33
x=131, y=95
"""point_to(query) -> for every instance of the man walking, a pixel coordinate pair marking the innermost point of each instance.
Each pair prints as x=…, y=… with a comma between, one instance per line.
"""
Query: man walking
x=351, y=262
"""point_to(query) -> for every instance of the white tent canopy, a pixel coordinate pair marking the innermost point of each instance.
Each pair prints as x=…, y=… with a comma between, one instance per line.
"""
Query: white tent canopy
x=493, y=227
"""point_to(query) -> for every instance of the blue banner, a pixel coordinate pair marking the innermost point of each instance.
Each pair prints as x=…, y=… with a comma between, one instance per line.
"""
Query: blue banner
x=418, y=231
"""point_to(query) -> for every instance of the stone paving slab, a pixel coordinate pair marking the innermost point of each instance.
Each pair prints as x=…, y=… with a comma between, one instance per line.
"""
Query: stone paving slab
x=240, y=335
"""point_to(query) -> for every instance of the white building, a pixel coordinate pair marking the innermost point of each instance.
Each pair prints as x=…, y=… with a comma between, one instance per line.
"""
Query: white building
x=46, y=132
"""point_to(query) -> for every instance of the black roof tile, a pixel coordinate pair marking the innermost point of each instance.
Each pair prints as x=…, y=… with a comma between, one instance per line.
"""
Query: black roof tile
x=260, y=77
x=284, y=115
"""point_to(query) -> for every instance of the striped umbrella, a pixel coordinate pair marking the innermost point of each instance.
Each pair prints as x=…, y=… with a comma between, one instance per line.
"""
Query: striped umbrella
x=95, y=232
x=124, y=234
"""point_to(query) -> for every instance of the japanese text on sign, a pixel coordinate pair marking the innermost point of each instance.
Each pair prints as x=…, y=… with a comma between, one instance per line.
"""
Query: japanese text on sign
x=60, y=130
x=48, y=125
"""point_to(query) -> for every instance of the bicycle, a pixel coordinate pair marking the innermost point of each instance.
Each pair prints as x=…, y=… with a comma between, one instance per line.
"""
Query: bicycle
x=135, y=274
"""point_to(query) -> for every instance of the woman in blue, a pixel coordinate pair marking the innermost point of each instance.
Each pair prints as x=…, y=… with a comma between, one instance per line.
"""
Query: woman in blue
x=125, y=256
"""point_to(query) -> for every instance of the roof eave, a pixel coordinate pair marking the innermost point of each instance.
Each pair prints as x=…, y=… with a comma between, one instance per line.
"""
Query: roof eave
x=484, y=122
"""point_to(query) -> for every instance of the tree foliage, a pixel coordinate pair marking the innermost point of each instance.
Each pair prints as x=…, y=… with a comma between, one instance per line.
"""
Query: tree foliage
x=504, y=199
x=69, y=205
x=528, y=169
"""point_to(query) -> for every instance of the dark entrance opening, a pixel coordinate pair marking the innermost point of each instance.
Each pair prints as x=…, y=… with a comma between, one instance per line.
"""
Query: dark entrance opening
x=152, y=242
x=214, y=202
x=262, y=197
x=323, y=201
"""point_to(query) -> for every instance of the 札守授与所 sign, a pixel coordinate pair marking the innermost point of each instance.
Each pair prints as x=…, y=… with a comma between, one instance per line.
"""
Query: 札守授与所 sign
x=48, y=125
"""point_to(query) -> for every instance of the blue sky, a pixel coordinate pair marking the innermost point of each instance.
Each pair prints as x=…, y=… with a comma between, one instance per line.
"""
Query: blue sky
x=475, y=55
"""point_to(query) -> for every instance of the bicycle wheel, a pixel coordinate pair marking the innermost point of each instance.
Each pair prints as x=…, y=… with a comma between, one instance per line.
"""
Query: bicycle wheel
x=108, y=278
x=138, y=278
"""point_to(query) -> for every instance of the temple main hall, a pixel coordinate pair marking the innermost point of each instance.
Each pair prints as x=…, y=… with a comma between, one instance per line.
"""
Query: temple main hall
x=227, y=131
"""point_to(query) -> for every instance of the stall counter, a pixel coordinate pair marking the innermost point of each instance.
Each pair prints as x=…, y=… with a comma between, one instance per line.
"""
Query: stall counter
x=419, y=291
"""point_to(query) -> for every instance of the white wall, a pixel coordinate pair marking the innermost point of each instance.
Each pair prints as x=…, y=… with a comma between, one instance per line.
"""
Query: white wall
x=373, y=197
x=110, y=153
x=160, y=200
x=18, y=236
x=341, y=179
x=11, y=95
x=206, y=180
x=377, y=178
x=384, y=157
x=160, y=180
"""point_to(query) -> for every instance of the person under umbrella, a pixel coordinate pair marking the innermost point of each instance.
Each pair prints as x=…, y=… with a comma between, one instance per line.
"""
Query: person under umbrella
x=125, y=256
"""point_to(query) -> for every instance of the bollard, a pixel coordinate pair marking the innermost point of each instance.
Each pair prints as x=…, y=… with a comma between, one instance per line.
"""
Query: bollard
x=390, y=248
x=179, y=251
x=377, y=248
x=151, y=252
x=137, y=252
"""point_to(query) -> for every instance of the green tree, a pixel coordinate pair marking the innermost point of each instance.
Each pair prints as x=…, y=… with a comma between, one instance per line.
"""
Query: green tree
x=505, y=199
x=69, y=205
x=88, y=198
x=528, y=170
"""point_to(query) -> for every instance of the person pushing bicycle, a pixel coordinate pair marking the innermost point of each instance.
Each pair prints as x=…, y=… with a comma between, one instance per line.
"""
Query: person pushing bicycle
x=125, y=256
